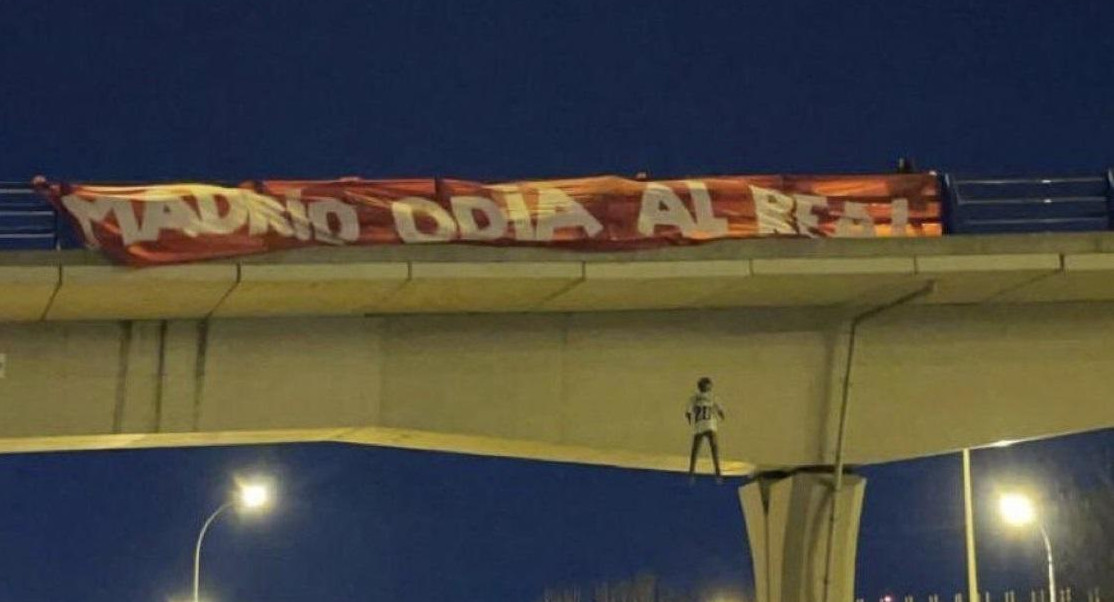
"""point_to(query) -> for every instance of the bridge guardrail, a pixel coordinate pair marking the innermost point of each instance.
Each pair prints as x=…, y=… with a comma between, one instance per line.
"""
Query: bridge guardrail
x=970, y=206
x=1011, y=205
x=29, y=223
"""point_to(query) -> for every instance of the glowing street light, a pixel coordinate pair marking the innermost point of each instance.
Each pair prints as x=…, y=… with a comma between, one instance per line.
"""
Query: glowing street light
x=254, y=496
x=1016, y=509
x=969, y=519
x=1019, y=511
x=250, y=497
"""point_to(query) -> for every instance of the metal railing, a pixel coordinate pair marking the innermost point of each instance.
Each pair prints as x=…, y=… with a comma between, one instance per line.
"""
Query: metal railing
x=969, y=206
x=1066, y=594
x=28, y=222
x=1010, y=205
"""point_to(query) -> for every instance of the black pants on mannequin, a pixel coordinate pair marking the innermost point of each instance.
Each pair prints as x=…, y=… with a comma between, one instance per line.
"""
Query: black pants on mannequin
x=696, y=441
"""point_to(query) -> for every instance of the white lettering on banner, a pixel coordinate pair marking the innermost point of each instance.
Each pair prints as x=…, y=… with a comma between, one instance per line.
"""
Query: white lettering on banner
x=662, y=207
x=127, y=220
x=556, y=210
x=465, y=209
x=173, y=214
x=808, y=221
x=407, y=224
x=144, y=215
x=773, y=209
x=265, y=214
x=783, y=213
x=298, y=218
x=212, y=222
x=348, y=223
x=517, y=211
x=87, y=212
x=707, y=224
x=262, y=214
x=855, y=221
x=899, y=216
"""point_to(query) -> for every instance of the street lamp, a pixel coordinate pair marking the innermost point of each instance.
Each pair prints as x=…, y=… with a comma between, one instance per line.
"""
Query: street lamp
x=1018, y=510
x=969, y=521
x=251, y=497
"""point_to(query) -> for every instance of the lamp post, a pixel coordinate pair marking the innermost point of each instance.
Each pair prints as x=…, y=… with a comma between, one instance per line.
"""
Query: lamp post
x=1018, y=510
x=969, y=528
x=969, y=522
x=251, y=497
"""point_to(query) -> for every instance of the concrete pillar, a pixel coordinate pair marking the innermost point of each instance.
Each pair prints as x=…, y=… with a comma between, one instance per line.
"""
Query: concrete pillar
x=787, y=517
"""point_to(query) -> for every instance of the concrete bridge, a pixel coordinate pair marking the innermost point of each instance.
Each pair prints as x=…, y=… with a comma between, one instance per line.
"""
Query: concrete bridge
x=583, y=358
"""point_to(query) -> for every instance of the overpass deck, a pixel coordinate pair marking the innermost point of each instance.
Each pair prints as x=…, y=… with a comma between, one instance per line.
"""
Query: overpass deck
x=107, y=356
x=533, y=357
x=1026, y=268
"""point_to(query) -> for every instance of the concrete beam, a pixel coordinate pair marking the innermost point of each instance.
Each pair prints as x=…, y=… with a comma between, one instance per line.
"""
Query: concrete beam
x=927, y=379
x=816, y=281
x=482, y=287
x=97, y=292
x=26, y=291
x=650, y=285
x=456, y=279
x=313, y=289
x=980, y=278
x=1085, y=277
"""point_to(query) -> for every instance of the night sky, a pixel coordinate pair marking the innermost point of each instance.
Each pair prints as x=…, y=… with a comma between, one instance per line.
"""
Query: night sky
x=370, y=523
x=490, y=89
x=487, y=90
x=912, y=534
x=354, y=523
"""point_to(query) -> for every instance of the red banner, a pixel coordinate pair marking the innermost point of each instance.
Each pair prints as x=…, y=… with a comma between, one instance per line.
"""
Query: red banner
x=175, y=223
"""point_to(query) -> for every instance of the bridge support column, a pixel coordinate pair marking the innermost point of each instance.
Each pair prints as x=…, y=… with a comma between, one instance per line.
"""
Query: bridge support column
x=788, y=518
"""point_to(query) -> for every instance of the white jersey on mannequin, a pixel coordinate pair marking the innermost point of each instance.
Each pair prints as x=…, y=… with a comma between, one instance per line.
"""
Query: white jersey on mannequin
x=705, y=412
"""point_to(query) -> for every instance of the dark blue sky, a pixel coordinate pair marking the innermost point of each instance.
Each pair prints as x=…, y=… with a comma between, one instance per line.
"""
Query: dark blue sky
x=912, y=534
x=363, y=523
x=486, y=89
x=353, y=523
